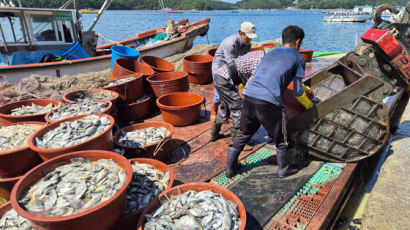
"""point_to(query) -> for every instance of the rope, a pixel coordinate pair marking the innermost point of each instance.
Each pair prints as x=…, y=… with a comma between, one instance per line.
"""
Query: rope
x=161, y=3
x=102, y=37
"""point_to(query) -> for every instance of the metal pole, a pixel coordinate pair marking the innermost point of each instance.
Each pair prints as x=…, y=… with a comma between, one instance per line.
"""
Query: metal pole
x=103, y=8
x=12, y=29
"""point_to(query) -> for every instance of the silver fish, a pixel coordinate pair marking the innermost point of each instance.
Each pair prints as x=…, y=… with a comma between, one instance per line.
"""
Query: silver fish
x=192, y=210
x=74, y=187
x=90, y=95
x=78, y=108
x=13, y=221
x=32, y=109
x=16, y=136
x=142, y=137
x=120, y=81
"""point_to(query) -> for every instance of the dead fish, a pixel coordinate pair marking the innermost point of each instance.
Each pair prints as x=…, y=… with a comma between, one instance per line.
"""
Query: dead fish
x=120, y=81
x=142, y=137
x=73, y=132
x=78, y=108
x=16, y=136
x=191, y=209
x=92, y=96
x=32, y=109
x=13, y=221
x=74, y=187
x=142, y=98
x=147, y=183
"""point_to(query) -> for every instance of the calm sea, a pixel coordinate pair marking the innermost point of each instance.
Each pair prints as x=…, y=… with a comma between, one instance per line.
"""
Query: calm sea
x=320, y=36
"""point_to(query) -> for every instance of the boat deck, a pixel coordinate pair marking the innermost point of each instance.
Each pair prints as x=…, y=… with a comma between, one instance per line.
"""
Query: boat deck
x=306, y=200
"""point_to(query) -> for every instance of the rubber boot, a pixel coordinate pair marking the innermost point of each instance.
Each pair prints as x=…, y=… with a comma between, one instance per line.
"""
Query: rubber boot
x=232, y=165
x=215, y=135
x=284, y=169
x=234, y=133
x=214, y=112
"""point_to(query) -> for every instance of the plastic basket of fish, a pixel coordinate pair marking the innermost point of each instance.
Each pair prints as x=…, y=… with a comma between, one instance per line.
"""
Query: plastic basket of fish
x=16, y=157
x=194, y=206
x=149, y=139
x=150, y=178
x=91, y=94
x=78, y=108
x=27, y=110
x=83, y=132
x=9, y=219
x=79, y=190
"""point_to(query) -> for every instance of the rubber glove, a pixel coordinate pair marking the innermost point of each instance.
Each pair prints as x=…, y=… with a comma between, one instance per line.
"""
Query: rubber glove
x=304, y=100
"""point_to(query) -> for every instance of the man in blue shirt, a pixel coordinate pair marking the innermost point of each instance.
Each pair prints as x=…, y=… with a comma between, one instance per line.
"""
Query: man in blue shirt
x=230, y=48
x=263, y=100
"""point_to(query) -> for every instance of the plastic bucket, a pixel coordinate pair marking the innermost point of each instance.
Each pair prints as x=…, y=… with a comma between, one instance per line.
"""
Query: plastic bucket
x=75, y=51
x=123, y=51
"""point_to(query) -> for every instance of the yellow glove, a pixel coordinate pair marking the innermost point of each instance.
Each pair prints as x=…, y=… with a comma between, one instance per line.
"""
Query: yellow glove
x=241, y=86
x=304, y=100
x=307, y=88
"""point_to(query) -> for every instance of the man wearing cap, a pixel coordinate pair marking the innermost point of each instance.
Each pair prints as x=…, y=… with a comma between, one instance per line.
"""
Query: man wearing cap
x=263, y=100
x=230, y=48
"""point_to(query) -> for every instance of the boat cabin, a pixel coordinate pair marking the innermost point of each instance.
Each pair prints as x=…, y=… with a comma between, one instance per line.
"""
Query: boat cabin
x=36, y=32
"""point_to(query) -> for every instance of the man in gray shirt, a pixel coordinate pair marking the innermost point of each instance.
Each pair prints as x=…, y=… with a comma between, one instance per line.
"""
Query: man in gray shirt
x=230, y=48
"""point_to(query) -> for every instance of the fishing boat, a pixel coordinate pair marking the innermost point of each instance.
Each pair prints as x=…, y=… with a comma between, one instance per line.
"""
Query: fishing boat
x=345, y=18
x=47, y=42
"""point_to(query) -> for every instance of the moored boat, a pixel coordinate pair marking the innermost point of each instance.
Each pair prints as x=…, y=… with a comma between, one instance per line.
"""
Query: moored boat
x=345, y=18
x=39, y=37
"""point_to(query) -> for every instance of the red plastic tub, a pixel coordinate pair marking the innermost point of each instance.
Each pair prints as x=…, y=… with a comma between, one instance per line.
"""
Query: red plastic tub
x=158, y=64
x=307, y=54
x=88, y=93
x=109, y=110
x=18, y=161
x=103, y=141
x=6, y=185
x=101, y=216
x=180, y=109
x=199, y=68
x=169, y=82
x=211, y=52
x=130, y=221
x=7, y=119
x=162, y=148
x=128, y=91
x=134, y=111
x=125, y=66
x=196, y=187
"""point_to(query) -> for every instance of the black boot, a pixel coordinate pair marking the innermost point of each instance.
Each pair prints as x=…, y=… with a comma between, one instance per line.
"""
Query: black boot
x=232, y=164
x=234, y=133
x=284, y=169
x=215, y=135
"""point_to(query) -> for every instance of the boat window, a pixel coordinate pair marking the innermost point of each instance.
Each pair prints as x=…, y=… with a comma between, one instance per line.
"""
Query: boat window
x=43, y=28
x=12, y=28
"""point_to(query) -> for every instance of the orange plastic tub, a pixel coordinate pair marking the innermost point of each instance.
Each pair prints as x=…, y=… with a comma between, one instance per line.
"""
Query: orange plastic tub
x=102, y=141
x=101, y=216
x=125, y=66
x=169, y=82
x=128, y=91
x=211, y=52
x=159, y=150
x=307, y=54
x=134, y=111
x=6, y=185
x=69, y=97
x=18, y=161
x=196, y=187
x=158, y=64
x=130, y=221
x=7, y=119
x=199, y=68
x=180, y=109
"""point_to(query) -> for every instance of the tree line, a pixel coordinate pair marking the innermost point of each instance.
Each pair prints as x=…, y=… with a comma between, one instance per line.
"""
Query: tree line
x=214, y=4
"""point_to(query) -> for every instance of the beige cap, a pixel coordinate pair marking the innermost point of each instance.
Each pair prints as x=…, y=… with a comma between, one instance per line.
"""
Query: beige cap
x=249, y=29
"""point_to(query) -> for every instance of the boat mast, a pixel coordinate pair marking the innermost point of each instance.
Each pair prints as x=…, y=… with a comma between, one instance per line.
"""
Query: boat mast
x=100, y=12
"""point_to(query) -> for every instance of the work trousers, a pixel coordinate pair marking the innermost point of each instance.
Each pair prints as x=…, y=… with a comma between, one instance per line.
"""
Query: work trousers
x=256, y=112
x=231, y=102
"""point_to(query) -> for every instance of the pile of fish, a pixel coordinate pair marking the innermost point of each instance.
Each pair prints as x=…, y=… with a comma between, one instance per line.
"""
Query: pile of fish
x=74, y=187
x=120, y=81
x=16, y=136
x=78, y=108
x=191, y=210
x=92, y=96
x=32, y=109
x=142, y=137
x=73, y=132
x=147, y=183
x=13, y=221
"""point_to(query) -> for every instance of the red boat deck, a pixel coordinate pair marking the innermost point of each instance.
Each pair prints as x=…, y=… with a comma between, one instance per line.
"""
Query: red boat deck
x=195, y=159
